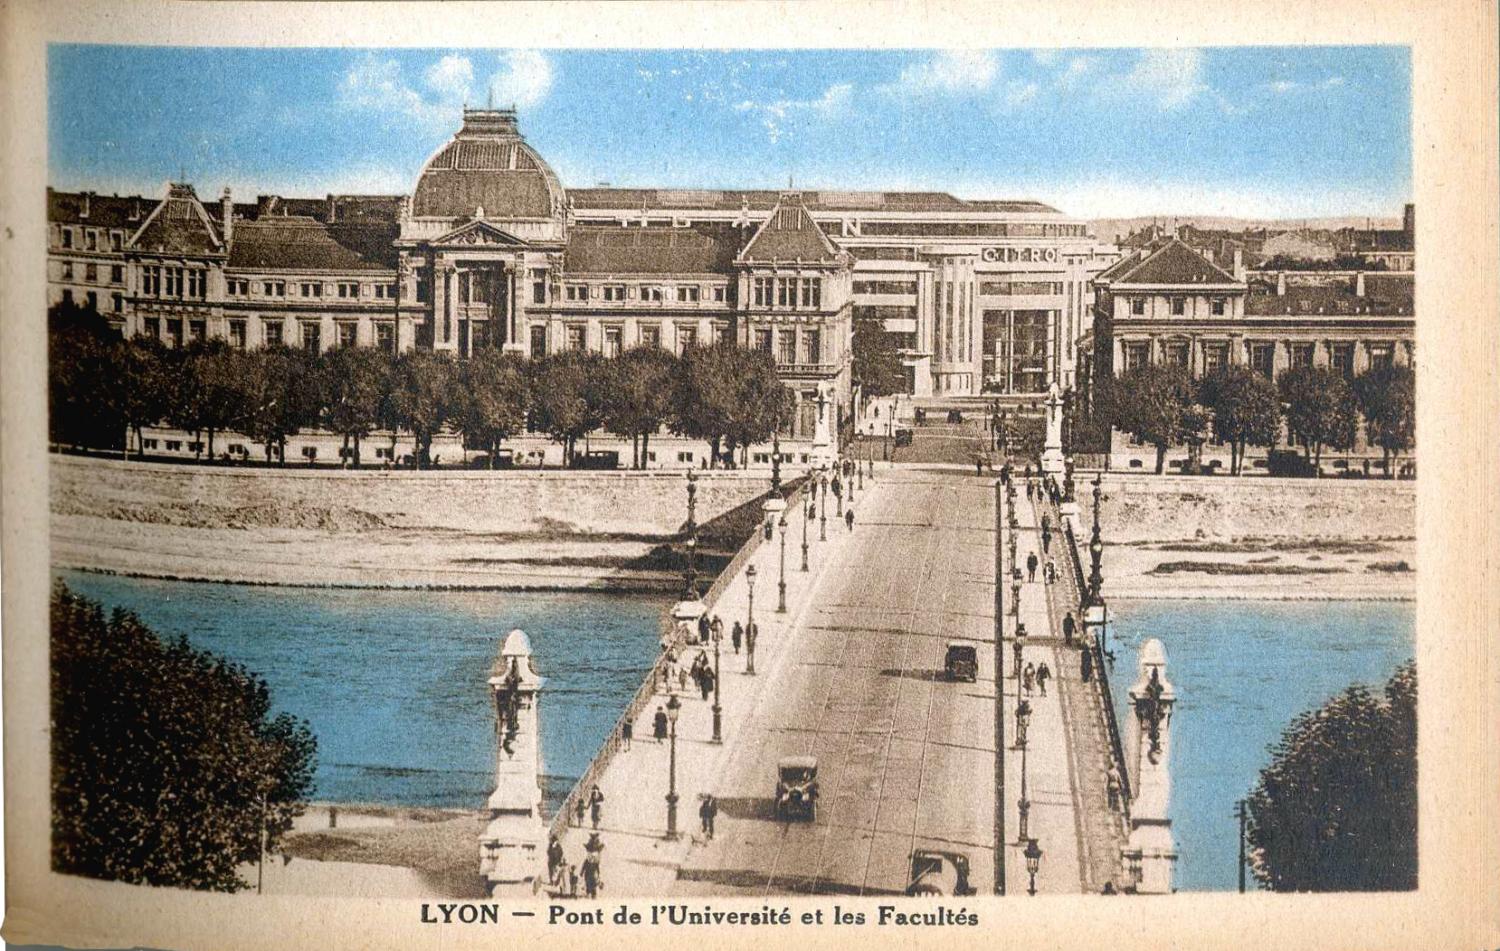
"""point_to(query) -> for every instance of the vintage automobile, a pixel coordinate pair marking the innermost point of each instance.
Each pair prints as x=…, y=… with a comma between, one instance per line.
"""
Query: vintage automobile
x=955, y=416
x=961, y=662
x=797, y=788
x=935, y=872
x=903, y=437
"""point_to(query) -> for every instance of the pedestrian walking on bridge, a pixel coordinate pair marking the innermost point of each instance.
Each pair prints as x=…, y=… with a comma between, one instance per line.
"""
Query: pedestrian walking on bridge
x=706, y=814
x=849, y=518
x=555, y=862
x=1031, y=563
x=1070, y=627
x=737, y=635
x=596, y=804
x=1043, y=674
x=658, y=725
x=1086, y=665
x=627, y=730
x=1028, y=678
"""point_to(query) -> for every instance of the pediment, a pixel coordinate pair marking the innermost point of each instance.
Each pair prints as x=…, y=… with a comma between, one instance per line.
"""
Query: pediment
x=479, y=233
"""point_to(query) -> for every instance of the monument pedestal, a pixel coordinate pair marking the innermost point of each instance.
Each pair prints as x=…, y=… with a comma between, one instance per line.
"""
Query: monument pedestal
x=512, y=848
x=1150, y=855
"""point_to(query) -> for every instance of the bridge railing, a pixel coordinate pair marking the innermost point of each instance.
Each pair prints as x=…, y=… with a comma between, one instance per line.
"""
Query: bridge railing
x=1096, y=646
x=647, y=691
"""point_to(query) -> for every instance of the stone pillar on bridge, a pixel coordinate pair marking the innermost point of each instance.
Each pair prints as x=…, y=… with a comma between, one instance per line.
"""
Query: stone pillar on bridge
x=825, y=448
x=512, y=848
x=1053, y=462
x=1150, y=855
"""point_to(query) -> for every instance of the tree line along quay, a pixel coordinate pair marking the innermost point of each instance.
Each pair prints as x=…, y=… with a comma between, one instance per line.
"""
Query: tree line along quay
x=105, y=390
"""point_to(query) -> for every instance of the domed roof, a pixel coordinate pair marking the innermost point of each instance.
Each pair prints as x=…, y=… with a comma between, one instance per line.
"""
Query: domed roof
x=488, y=166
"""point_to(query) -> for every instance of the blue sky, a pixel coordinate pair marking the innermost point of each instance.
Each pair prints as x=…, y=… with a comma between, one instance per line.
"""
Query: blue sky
x=1251, y=131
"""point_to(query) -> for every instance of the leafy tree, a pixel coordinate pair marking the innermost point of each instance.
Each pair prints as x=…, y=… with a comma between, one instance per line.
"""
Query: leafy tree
x=565, y=396
x=421, y=397
x=1156, y=403
x=1336, y=809
x=705, y=401
x=1387, y=399
x=353, y=382
x=143, y=385
x=762, y=405
x=223, y=374
x=83, y=398
x=1246, y=409
x=281, y=396
x=1320, y=409
x=877, y=365
x=166, y=760
x=637, y=396
x=490, y=403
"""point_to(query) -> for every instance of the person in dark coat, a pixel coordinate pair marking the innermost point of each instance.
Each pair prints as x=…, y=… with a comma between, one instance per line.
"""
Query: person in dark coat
x=659, y=724
x=596, y=804
x=580, y=807
x=706, y=814
x=737, y=635
x=554, y=861
x=1043, y=674
x=1070, y=627
x=1030, y=489
x=627, y=730
x=1086, y=666
x=849, y=518
x=706, y=682
x=704, y=629
x=1046, y=538
x=1031, y=563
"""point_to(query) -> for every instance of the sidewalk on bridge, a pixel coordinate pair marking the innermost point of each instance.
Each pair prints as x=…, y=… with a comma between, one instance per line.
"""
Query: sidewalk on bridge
x=1049, y=780
x=637, y=858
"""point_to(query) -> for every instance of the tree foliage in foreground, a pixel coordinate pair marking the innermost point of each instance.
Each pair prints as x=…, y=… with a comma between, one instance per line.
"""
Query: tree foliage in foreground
x=1336, y=810
x=1245, y=407
x=166, y=760
x=1320, y=409
x=1157, y=404
x=1387, y=398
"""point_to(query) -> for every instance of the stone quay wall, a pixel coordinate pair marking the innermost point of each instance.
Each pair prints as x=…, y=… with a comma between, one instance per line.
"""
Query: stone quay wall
x=474, y=502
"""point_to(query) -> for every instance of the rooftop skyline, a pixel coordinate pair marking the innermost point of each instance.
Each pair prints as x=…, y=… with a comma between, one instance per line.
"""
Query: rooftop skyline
x=1247, y=132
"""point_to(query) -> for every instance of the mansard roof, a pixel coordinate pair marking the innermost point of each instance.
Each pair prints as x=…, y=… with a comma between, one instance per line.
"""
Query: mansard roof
x=178, y=225
x=487, y=165
x=1168, y=262
x=288, y=243
x=100, y=211
x=700, y=249
x=719, y=199
x=789, y=233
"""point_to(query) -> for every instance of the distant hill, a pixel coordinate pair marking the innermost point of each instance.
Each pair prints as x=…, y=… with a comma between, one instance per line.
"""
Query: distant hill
x=1110, y=229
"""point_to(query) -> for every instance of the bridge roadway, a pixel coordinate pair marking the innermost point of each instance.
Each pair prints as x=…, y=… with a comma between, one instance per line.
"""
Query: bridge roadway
x=851, y=675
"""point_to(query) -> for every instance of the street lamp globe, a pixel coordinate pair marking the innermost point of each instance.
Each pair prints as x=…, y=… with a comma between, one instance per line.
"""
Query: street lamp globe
x=673, y=706
x=1033, y=856
x=750, y=577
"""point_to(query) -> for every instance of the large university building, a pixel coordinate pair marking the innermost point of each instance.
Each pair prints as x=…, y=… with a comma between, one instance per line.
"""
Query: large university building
x=491, y=250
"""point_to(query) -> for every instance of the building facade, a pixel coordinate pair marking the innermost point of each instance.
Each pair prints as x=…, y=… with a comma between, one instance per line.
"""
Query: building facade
x=490, y=250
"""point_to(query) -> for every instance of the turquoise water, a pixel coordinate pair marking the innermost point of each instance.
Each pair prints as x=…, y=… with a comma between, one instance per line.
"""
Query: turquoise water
x=393, y=682
x=1243, y=670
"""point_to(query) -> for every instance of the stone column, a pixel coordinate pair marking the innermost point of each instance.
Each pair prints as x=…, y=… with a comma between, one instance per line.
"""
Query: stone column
x=1149, y=854
x=512, y=848
x=1053, y=462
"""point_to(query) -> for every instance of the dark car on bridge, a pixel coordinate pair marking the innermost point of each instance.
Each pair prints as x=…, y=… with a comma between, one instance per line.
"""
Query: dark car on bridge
x=961, y=662
x=903, y=437
x=797, y=788
x=936, y=872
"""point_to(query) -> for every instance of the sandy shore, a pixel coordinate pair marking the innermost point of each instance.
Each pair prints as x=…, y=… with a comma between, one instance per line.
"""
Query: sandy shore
x=1280, y=569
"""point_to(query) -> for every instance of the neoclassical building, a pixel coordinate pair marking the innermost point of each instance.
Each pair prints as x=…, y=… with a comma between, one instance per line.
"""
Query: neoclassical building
x=491, y=250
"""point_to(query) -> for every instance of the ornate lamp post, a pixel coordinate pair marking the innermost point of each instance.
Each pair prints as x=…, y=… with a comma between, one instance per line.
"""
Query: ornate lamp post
x=690, y=583
x=1023, y=805
x=673, y=706
x=1033, y=856
x=1015, y=598
x=823, y=510
x=1016, y=647
x=781, y=579
x=1096, y=549
x=750, y=623
x=718, y=636
x=860, y=470
x=807, y=516
x=776, y=462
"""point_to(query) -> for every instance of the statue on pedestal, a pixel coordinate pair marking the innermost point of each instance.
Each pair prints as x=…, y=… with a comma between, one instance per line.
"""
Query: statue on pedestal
x=1150, y=854
x=512, y=846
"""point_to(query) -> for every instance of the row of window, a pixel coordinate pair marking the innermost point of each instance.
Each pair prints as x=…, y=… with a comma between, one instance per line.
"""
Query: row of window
x=273, y=332
x=91, y=300
x=88, y=239
x=885, y=287
x=1008, y=288
x=646, y=293
x=181, y=283
x=787, y=292
x=1218, y=306
x=1262, y=356
x=612, y=342
x=91, y=273
x=343, y=290
x=783, y=344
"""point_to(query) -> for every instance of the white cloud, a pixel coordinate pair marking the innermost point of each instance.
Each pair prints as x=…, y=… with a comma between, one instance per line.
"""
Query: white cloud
x=1171, y=77
x=521, y=78
x=1078, y=69
x=1333, y=81
x=776, y=114
x=950, y=72
x=1018, y=93
x=1044, y=57
x=1282, y=86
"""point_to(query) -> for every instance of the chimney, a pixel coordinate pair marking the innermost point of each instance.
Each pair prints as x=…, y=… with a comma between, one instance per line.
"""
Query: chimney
x=1239, y=265
x=333, y=210
x=1280, y=283
x=1359, y=284
x=226, y=204
x=85, y=212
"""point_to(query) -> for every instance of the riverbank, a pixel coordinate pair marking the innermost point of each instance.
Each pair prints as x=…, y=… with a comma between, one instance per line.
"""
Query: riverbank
x=526, y=531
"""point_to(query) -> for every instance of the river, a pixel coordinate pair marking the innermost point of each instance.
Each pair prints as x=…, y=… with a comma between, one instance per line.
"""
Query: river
x=393, y=682
x=1242, y=671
